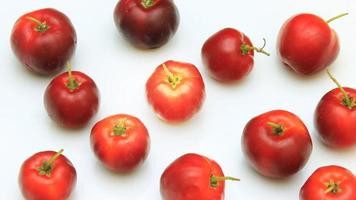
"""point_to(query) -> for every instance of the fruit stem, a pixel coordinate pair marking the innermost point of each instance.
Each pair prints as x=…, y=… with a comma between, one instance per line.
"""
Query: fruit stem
x=245, y=48
x=215, y=179
x=41, y=26
x=336, y=17
x=277, y=128
x=347, y=100
x=147, y=3
x=120, y=127
x=72, y=84
x=174, y=80
x=47, y=165
x=332, y=187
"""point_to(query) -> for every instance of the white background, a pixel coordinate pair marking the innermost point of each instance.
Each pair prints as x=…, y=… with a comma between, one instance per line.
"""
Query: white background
x=121, y=71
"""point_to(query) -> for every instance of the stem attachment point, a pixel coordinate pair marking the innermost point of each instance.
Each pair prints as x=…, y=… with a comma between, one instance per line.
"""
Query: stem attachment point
x=245, y=49
x=277, y=128
x=47, y=165
x=348, y=101
x=41, y=26
x=147, y=3
x=120, y=128
x=173, y=79
x=333, y=187
x=72, y=84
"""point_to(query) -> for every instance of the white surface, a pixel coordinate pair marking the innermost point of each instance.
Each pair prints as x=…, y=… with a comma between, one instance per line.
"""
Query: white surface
x=121, y=71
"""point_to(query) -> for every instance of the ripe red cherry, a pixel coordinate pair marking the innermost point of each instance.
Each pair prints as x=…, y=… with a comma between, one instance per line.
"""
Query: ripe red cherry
x=176, y=91
x=228, y=55
x=72, y=99
x=146, y=23
x=335, y=117
x=307, y=44
x=47, y=175
x=277, y=144
x=43, y=40
x=121, y=142
x=329, y=183
x=193, y=177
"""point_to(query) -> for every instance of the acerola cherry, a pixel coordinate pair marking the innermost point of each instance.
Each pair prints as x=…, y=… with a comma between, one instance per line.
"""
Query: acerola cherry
x=307, y=44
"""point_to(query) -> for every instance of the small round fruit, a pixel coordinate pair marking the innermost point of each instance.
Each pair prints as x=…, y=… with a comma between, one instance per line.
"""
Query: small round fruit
x=72, y=99
x=47, y=175
x=228, y=55
x=192, y=177
x=329, y=182
x=121, y=142
x=43, y=40
x=307, y=44
x=277, y=144
x=335, y=117
x=146, y=23
x=176, y=91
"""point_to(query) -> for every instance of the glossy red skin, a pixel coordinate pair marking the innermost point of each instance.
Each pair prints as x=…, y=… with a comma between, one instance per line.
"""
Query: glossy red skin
x=335, y=122
x=71, y=109
x=272, y=155
x=46, y=52
x=180, y=103
x=57, y=186
x=221, y=54
x=307, y=44
x=146, y=27
x=188, y=178
x=123, y=153
x=314, y=188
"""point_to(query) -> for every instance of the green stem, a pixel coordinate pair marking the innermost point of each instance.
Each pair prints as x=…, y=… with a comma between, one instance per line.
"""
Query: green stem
x=332, y=187
x=245, y=48
x=347, y=100
x=72, y=84
x=120, y=128
x=277, y=128
x=41, y=26
x=47, y=165
x=173, y=79
x=147, y=3
x=336, y=17
x=214, y=180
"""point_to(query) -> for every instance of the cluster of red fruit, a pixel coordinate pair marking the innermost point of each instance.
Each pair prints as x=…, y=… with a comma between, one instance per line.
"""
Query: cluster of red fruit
x=277, y=143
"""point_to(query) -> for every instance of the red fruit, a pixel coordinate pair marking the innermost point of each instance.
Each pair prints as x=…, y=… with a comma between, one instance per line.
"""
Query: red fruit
x=72, y=99
x=146, y=23
x=43, y=40
x=307, y=44
x=121, y=142
x=193, y=177
x=175, y=90
x=329, y=183
x=228, y=55
x=335, y=117
x=47, y=175
x=277, y=144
